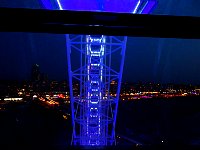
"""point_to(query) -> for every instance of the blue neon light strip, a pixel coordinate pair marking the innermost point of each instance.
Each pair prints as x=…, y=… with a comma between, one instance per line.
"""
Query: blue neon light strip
x=150, y=4
x=59, y=4
x=136, y=7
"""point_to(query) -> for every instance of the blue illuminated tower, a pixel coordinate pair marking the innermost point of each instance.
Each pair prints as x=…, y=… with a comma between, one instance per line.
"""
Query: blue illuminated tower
x=94, y=61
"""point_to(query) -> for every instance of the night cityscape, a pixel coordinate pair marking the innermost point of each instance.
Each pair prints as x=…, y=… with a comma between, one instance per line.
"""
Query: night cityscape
x=84, y=91
x=162, y=113
x=39, y=86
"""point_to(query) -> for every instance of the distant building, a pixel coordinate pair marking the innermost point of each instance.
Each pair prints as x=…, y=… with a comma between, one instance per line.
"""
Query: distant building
x=197, y=91
x=35, y=74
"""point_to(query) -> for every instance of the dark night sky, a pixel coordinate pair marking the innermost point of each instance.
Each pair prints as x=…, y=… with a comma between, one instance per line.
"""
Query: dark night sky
x=149, y=59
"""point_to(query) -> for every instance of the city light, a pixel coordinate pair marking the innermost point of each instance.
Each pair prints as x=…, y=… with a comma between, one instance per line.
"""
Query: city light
x=13, y=99
x=65, y=117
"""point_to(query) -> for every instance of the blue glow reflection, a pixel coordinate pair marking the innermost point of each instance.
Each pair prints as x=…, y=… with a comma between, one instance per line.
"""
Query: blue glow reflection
x=121, y=6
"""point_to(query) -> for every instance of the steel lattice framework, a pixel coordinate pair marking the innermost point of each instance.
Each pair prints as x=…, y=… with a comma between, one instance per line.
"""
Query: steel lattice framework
x=94, y=109
x=94, y=61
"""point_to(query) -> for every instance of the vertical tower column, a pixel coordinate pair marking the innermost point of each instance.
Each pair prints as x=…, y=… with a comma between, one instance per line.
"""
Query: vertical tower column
x=95, y=54
x=95, y=107
x=94, y=63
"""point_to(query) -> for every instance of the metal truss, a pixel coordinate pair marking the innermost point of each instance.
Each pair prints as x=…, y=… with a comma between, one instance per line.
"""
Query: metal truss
x=99, y=60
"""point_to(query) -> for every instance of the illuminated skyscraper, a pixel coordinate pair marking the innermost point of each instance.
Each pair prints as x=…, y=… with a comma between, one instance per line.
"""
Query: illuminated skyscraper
x=95, y=61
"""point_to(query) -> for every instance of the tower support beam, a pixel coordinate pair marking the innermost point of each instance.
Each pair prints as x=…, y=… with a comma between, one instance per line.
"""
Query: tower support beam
x=94, y=106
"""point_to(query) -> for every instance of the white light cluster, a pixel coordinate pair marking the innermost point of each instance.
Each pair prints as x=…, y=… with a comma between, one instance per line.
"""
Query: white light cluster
x=95, y=48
